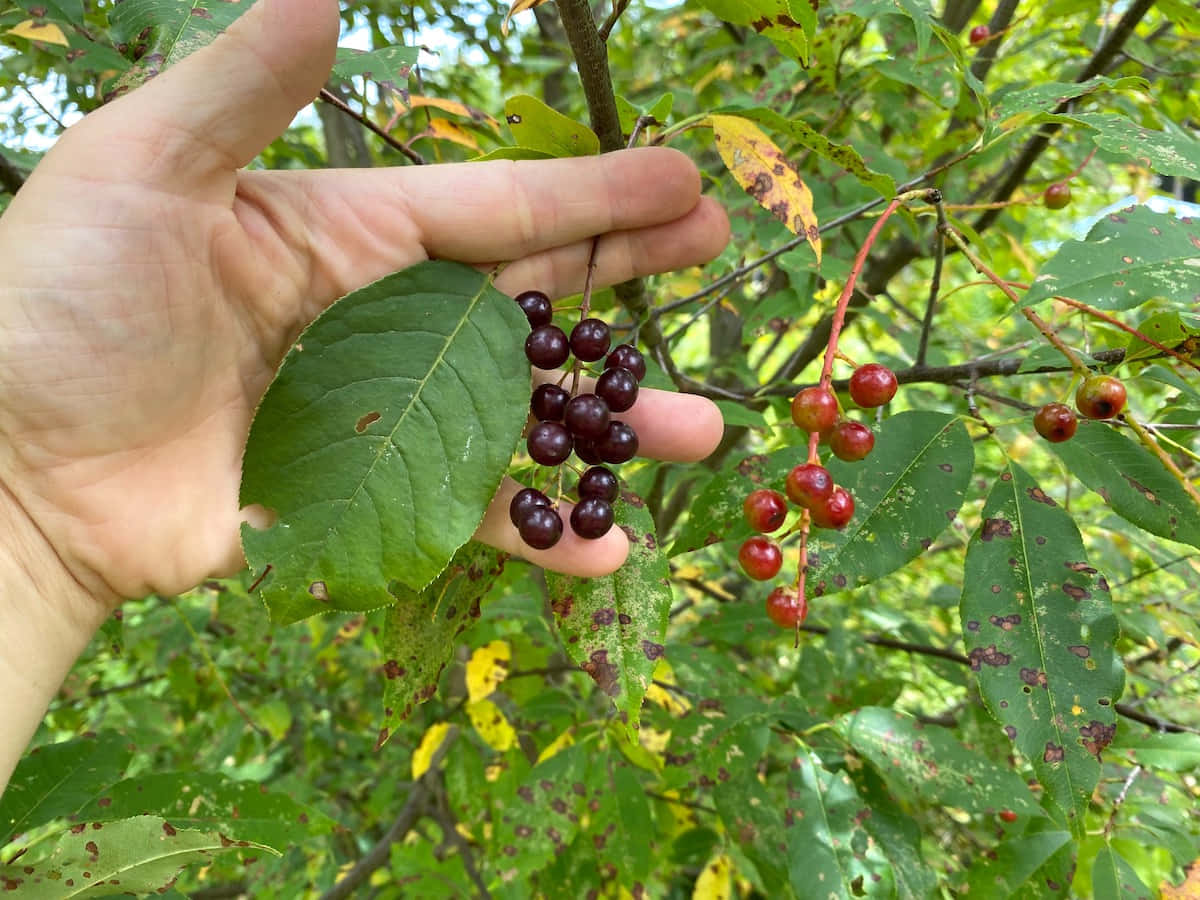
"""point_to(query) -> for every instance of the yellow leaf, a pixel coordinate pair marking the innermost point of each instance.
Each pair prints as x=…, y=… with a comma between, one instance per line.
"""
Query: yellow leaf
x=562, y=742
x=1188, y=890
x=489, y=721
x=487, y=667
x=430, y=742
x=761, y=168
x=453, y=107
x=518, y=6
x=46, y=32
x=714, y=882
x=445, y=130
x=668, y=700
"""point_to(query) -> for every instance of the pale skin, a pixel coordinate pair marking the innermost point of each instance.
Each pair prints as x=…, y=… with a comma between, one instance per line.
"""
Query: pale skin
x=150, y=287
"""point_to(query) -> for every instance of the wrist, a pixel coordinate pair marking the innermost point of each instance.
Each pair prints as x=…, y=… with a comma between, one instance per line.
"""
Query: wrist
x=47, y=619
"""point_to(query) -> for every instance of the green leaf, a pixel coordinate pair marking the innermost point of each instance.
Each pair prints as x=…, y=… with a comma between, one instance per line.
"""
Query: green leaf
x=1014, y=108
x=827, y=843
x=896, y=834
x=1129, y=257
x=1159, y=151
x=1169, y=328
x=613, y=626
x=906, y=493
x=929, y=765
x=422, y=630
x=512, y=153
x=1181, y=13
x=386, y=66
x=1114, y=878
x=918, y=11
x=177, y=28
x=1039, y=629
x=1132, y=481
x=1162, y=751
x=55, y=781
x=1021, y=864
x=773, y=19
x=383, y=438
x=841, y=155
x=716, y=515
x=751, y=814
x=210, y=802
x=137, y=856
x=538, y=127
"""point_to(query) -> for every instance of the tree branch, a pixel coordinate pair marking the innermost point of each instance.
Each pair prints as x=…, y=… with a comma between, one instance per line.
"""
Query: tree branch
x=335, y=101
x=11, y=178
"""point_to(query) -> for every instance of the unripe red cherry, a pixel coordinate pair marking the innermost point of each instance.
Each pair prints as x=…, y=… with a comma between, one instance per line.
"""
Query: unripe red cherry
x=835, y=512
x=1056, y=422
x=1007, y=815
x=786, y=608
x=808, y=484
x=979, y=35
x=760, y=558
x=765, y=510
x=1057, y=195
x=1100, y=397
x=851, y=441
x=815, y=409
x=872, y=385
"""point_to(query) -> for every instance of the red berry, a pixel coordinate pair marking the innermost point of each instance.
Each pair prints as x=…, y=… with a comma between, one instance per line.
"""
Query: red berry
x=834, y=512
x=979, y=35
x=1100, y=397
x=872, y=385
x=851, y=441
x=814, y=409
x=808, y=485
x=1007, y=815
x=1055, y=422
x=765, y=510
x=786, y=608
x=1057, y=195
x=760, y=558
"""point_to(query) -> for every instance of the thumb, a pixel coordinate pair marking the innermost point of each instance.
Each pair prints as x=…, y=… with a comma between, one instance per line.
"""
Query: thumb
x=216, y=109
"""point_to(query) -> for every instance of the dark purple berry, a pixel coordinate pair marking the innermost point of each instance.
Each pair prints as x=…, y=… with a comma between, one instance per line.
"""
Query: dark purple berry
x=541, y=528
x=525, y=500
x=598, y=482
x=591, y=518
x=536, y=307
x=618, y=444
x=590, y=339
x=619, y=388
x=549, y=443
x=629, y=357
x=586, y=451
x=546, y=347
x=548, y=402
x=586, y=416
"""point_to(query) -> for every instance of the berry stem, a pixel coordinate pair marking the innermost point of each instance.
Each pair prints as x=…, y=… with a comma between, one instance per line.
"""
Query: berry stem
x=1037, y=321
x=585, y=307
x=1128, y=329
x=1151, y=444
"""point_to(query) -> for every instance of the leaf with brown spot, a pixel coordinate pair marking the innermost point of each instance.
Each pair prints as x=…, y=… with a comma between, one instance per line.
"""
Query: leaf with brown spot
x=753, y=158
x=1060, y=677
x=613, y=619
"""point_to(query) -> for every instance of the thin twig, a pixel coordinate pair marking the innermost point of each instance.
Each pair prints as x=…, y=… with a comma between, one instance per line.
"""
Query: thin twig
x=619, y=6
x=334, y=100
x=199, y=644
x=935, y=283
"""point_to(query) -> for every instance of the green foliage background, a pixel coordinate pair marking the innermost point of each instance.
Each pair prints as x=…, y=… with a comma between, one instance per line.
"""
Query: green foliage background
x=921, y=741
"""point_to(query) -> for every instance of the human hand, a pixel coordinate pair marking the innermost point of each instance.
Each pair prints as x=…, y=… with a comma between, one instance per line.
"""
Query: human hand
x=151, y=288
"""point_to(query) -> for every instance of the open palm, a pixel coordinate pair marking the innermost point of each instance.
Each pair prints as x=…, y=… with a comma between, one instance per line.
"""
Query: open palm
x=151, y=288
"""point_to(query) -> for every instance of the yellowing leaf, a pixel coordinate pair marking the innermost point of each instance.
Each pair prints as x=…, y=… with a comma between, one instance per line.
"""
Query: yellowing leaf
x=487, y=667
x=761, y=168
x=670, y=701
x=46, y=32
x=430, y=742
x=518, y=6
x=715, y=882
x=453, y=107
x=445, y=130
x=489, y=721
x=562, y=742
x=1188, y=890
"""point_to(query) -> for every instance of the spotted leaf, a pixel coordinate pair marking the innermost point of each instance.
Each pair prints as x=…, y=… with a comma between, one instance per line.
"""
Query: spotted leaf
x=1128, y=257
x=613, y=626
x=1039, y=629
x=760, y=167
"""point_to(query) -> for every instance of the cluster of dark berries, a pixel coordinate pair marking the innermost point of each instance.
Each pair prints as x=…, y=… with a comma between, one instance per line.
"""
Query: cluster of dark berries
x=810, y=485
x=1098, y=397
x=582, y=423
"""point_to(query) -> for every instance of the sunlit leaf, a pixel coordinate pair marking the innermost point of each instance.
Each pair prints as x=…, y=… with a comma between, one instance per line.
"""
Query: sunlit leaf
x=487, y=667
x=46, y=32
x=431, y=741
x=491, y=725
x=538, y=127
